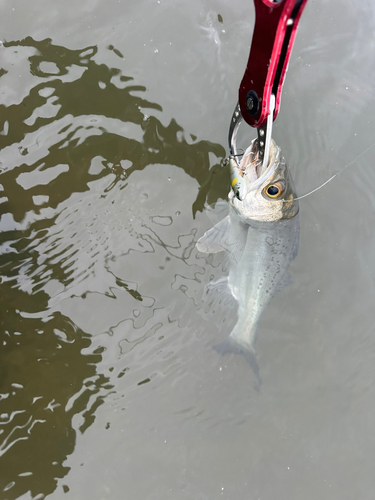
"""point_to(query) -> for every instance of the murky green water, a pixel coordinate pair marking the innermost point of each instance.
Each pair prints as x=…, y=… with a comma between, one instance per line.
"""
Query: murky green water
x=113, y=125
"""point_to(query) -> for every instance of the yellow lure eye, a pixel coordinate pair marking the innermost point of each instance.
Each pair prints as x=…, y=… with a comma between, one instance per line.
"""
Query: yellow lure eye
x=274, y=190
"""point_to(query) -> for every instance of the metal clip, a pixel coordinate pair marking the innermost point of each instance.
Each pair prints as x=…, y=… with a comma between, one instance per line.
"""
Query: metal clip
x=265, y=134
x=233, y=129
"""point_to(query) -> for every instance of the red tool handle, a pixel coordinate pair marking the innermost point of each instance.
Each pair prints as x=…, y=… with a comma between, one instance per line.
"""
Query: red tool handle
x=275, y=28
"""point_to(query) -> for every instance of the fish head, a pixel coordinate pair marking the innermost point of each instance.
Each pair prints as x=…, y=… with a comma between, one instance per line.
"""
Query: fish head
x=270, y=194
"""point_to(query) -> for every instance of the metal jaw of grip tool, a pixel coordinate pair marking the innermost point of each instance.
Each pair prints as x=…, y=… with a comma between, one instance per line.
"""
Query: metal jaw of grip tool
x=238, y=183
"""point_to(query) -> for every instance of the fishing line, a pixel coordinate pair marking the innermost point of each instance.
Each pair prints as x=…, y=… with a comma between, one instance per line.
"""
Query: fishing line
x=316, y=189
x=334, y=175
x=331, y=178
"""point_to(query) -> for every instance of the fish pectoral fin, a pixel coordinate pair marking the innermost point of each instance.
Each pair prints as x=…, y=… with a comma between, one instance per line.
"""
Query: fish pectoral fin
x=218, y=211
x=218, y=294
x=229, y=235
x=213, y=240
x=220, y=286
x=231, y=346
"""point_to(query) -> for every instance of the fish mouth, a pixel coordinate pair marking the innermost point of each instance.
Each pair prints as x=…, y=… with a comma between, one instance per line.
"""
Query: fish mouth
x=252, y=167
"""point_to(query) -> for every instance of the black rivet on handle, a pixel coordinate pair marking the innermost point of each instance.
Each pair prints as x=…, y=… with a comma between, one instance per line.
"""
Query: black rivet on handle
x=252, y=102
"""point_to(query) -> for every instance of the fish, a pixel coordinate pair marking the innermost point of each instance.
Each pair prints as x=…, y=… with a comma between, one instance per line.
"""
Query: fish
x=261, y=236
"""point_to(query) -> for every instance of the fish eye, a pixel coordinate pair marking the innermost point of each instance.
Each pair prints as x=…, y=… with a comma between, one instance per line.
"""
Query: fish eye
x=274, y=190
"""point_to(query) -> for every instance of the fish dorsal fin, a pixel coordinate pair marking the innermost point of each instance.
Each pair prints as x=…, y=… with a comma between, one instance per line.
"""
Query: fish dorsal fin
x=213, y=240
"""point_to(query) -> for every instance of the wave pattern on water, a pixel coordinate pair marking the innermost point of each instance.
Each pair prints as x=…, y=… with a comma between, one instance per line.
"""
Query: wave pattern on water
x=95, y=230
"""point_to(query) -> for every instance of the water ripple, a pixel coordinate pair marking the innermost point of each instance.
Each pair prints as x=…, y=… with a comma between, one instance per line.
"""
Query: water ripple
x=97, y=234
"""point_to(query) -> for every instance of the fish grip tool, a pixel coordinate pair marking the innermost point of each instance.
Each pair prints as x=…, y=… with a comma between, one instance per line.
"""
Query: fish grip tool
x=237, y=181
x=259, y=95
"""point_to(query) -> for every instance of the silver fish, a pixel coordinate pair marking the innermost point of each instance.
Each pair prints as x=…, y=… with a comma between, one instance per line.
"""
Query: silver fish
x=261, y=235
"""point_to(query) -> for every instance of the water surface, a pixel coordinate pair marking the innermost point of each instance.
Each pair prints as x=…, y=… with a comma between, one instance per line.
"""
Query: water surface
x=113, y=124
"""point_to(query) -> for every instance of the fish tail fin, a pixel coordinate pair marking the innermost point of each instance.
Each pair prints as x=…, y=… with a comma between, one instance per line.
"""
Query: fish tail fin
x=231, y=346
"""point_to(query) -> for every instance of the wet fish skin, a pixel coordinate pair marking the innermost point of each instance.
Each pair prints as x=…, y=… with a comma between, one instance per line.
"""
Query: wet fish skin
x=256, y=205
x=261, y=235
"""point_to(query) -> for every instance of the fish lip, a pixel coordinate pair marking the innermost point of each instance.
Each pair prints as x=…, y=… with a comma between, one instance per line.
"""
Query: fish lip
x=269, y=170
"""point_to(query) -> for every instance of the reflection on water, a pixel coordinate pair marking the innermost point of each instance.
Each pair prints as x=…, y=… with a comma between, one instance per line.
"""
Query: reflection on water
x=83, y=175
x=46, y=378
